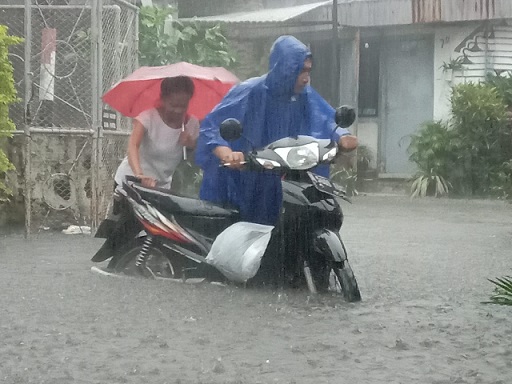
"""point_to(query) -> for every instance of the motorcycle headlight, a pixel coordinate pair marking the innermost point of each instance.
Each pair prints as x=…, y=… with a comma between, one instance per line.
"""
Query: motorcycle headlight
x=303, y=157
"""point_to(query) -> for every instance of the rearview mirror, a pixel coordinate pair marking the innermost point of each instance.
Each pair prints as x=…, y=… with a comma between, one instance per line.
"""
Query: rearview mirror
x=231, y=129
x=345, y=116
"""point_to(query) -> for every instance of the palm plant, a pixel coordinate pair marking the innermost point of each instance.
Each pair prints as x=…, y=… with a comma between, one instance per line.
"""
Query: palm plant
x=432, y=151
x=429, y=184
x=502, y=292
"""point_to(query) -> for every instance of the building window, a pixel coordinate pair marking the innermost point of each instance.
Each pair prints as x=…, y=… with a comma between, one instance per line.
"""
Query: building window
x=369, y=78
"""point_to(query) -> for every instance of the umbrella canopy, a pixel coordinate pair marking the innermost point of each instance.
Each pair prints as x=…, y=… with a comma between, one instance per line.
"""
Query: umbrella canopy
x=141, y=90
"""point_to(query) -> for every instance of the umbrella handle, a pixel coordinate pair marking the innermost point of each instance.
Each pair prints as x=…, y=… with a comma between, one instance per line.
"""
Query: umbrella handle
x=184, y=147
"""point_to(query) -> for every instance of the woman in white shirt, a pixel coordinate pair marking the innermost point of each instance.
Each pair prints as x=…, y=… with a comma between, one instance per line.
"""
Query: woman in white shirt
x=159, y=135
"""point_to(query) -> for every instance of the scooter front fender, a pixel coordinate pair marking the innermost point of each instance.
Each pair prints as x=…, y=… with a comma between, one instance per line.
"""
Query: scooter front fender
x=329, y=244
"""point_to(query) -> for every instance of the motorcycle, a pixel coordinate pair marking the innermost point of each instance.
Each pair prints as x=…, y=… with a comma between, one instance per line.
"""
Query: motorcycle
x=160, y=234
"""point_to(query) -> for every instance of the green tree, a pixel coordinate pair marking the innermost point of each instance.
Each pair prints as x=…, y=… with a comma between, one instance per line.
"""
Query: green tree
x=7, y=97
x=191, y=42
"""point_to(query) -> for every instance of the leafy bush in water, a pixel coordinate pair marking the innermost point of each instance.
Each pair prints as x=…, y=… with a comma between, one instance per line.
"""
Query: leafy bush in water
x=432, y=151
x=471, y=156
x=483, y=138
x=7, y=97
x=189, y=42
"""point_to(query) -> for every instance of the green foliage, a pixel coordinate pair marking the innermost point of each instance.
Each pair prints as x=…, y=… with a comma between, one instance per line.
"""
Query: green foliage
x=364, y=158
x=483, y=139
x=503, y=84
x=453, y=64
x=501, y=181
x=347, y=179
x=189, y=42
x=432, y=148
x=471, y=156
x=7, y=97
x=478, y=112
x=433, y=152
x=503, y=291
x=430, y=185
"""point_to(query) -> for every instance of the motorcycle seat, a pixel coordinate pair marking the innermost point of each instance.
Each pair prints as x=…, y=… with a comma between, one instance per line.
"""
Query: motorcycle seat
x=162, y=198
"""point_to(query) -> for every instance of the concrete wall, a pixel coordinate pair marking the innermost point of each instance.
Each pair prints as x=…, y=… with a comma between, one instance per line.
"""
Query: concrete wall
x=51, y=155
x=252, y=55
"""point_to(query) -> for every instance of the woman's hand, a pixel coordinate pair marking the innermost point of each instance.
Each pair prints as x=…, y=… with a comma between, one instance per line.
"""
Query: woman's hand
x=188, y=137
x=232, y=159
x=187, y=140
x=147, y=181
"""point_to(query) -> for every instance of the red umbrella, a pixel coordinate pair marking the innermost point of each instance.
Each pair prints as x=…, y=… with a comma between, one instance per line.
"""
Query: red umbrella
x=141, y=90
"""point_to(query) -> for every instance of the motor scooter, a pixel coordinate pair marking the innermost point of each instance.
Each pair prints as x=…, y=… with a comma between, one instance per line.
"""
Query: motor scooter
x=160, y=234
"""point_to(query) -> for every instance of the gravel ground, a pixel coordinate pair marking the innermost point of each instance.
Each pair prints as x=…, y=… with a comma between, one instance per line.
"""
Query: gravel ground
x=422, y=267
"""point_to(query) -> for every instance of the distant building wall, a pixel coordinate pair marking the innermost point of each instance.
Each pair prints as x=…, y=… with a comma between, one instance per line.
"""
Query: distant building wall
x=191, y=8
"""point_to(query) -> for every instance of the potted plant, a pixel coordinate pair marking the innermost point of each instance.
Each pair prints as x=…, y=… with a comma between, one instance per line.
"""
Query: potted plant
x=451, y=66
x=364, y=159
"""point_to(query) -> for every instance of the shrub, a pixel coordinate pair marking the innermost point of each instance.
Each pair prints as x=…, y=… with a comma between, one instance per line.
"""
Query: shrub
x=482, y=137
x=432, y=151
x=7, y=97
x=472, y=154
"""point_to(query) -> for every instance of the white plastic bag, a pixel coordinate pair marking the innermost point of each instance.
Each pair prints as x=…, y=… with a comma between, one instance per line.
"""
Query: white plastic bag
x=238, y=250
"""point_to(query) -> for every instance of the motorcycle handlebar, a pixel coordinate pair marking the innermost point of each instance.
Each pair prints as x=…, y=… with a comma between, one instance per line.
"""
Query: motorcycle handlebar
x=134, y=179
x=138, y=180
x=229, y=164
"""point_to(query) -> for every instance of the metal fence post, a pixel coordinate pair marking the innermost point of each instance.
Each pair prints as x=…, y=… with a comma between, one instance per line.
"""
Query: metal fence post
x=99, y=106
x=94, y=111
x=28, y=92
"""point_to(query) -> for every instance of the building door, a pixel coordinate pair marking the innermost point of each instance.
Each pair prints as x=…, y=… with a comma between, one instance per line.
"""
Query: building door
x=407, y=74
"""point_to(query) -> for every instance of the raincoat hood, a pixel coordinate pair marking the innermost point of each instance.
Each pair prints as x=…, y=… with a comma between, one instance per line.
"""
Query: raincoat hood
x=285, y=64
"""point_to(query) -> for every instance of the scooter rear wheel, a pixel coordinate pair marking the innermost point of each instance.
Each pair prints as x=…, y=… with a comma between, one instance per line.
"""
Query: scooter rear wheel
x=157, y=264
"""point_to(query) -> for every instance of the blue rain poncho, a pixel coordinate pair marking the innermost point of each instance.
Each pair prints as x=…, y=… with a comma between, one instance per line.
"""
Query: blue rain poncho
x=268, y=110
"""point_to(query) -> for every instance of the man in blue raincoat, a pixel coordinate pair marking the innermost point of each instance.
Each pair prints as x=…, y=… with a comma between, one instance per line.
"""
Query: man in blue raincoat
x=276, y=105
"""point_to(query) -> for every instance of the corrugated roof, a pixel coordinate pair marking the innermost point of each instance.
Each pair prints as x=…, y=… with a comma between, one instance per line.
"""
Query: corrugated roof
x=269, y=15
x=372, y=13
x=369, y=13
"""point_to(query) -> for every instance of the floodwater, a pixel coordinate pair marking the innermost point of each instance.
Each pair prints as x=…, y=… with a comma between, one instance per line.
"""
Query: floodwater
x=422, y=267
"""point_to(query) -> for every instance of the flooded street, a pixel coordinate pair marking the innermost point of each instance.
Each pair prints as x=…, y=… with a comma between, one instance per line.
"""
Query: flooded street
x=422, y=267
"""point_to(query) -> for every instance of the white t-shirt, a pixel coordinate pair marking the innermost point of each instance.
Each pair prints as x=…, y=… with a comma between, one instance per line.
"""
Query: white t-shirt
x=159, y=151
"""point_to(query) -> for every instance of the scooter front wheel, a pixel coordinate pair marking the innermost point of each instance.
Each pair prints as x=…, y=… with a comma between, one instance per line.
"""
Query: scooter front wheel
x=342, y=279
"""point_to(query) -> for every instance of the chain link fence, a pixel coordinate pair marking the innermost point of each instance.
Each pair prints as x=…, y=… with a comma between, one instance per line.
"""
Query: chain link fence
x=74, y=50
x=120, y=58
